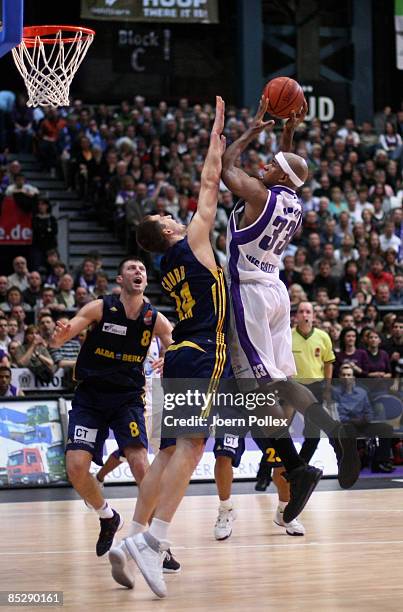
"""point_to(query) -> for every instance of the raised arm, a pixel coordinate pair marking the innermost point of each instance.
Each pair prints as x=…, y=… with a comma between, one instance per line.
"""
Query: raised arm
x=289, y=127
x=200, y=227
x=238, y=181
x=88, y=314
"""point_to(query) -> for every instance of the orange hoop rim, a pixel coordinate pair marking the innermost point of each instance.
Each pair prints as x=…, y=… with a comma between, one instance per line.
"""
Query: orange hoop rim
x=31, y=33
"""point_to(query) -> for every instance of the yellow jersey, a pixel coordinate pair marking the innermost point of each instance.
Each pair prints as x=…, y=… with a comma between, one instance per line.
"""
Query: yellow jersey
x=311, y=352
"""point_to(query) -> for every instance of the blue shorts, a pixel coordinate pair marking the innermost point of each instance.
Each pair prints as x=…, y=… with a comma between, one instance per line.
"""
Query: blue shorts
x=195, y=364
x=233, y=446
x=95, y=411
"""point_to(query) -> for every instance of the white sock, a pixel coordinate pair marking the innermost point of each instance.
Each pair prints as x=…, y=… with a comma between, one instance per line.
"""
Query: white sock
x=159, y=529
x=136, y=528
x=281, y=505
x=104, y=511
x=226, y=504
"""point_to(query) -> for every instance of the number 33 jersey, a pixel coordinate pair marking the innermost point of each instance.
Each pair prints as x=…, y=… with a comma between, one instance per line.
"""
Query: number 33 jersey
x=260, y=334
x=255, y=252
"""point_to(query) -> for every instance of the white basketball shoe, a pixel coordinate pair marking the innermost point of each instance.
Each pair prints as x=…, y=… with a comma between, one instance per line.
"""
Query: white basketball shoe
x=294, y=528
x=223, y=526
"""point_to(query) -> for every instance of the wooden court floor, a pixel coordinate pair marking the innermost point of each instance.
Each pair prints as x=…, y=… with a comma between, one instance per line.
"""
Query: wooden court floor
x=350, y=559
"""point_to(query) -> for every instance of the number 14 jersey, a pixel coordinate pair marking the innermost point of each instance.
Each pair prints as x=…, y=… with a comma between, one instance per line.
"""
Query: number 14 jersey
x=255, y=252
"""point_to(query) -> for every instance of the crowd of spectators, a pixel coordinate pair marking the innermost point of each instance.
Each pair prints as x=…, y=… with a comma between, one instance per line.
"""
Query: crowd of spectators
x=135, y=159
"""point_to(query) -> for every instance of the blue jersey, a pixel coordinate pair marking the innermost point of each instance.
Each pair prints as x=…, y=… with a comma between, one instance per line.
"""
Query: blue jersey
x=114, y=351
x=200, y=295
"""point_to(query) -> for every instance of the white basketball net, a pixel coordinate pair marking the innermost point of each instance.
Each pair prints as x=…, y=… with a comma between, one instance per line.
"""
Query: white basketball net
x=48, y=69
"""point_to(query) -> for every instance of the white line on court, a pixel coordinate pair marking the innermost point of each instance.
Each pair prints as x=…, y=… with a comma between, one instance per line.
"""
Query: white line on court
x=225, y=549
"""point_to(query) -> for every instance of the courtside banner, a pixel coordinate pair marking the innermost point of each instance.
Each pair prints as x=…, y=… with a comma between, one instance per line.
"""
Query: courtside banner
x=166, y=11
x=15, y=223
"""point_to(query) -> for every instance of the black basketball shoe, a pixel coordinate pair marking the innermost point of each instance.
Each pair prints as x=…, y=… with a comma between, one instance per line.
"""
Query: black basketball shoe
x=303, y=481
x=109, y=527
x=170, y=565
x=348, y=458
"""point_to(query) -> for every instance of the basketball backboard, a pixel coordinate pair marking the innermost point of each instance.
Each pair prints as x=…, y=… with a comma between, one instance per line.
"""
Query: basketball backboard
x=11, y=15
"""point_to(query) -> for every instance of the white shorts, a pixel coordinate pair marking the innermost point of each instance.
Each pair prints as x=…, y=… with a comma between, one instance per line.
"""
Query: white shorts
x=260, y=332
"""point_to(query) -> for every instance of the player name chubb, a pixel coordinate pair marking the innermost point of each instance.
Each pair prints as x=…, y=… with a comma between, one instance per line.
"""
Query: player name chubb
x=248, y=421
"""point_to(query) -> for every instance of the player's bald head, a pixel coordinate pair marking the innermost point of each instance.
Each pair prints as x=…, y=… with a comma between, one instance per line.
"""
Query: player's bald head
x=298, y=165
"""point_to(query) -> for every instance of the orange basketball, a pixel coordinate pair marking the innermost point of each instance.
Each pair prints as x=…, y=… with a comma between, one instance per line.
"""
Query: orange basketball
x=285, y=95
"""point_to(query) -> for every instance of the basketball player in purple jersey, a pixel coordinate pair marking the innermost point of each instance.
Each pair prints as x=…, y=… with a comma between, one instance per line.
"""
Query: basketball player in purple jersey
x=261, y=225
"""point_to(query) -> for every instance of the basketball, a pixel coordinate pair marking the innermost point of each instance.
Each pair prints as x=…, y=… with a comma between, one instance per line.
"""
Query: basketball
x=284, y=95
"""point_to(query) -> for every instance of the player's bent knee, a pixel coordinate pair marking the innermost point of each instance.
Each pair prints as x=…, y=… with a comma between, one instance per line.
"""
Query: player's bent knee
x=193, y=447
x=77, y=465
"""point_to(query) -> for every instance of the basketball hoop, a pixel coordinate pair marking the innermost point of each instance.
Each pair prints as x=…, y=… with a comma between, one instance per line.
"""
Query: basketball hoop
x=48, y=58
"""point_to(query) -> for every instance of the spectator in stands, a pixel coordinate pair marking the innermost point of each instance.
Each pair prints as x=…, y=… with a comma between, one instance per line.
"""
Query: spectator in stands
x=13, y=330
x=58, y=270
x=349, y=282
x=355, y=409
x=288, y=274
x=6, y=388
x=22, y=118
x=32, y=293
x=297, y=294
x=388, y=238
x=3, y=288
x=87, y=277
x=349, y=353
x=363, y=262
x=382, y=295
x=49, y=136
x=44, y=233
x=12, y=353
x=19, y=186
x=65, y=294
x=20, y=276
x=387, y=324
x=101, y=285
x=34, y=355
x=19, y=314
x=300, y=259
x=329, y=235
x=390, y=141
x=392, y=265
x=324, y=280
x=48, y=302
x=394, y=348
x=347, y=251
x=377, y=275
x=378, y=359
x=358, y=318
x=14, y=298
x=347, y=320
x=396, y=297
x=4, y=337
x=82, y=297
x=307, y=282
x=314, y=248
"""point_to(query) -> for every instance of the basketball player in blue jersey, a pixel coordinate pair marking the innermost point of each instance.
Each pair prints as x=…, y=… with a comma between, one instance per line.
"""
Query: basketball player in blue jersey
x=260, y=227
x=110, y=373
x=191, y=278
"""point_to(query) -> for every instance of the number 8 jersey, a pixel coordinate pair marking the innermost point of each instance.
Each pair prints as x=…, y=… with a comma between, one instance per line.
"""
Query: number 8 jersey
x=260, y=334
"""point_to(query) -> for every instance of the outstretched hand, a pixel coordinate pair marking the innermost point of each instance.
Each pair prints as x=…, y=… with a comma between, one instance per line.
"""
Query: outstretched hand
x=258, y=125
x=60, y=334
x=297, y=117
x=216, y=133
